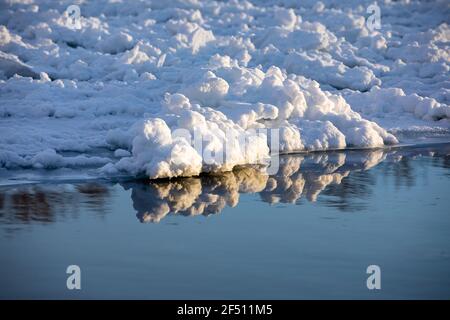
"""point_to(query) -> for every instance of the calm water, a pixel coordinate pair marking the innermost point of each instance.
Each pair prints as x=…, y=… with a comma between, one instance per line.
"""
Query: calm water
x=308, y=232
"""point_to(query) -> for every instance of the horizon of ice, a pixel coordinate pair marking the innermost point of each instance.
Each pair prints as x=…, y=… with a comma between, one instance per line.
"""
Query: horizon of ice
x=114, y=93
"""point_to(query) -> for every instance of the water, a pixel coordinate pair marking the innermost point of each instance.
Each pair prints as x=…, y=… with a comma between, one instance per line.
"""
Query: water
x=308, y=232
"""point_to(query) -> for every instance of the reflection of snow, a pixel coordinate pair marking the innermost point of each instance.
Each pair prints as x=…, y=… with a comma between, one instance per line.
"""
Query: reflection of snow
x=194, y=196
x=298, y=176
x=49, y=203
x=343, y=180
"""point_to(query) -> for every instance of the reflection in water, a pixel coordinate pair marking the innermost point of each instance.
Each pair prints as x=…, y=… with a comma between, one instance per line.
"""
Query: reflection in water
x=193, y=196
x=343, y=179
x=298, y=176
x=47, y=203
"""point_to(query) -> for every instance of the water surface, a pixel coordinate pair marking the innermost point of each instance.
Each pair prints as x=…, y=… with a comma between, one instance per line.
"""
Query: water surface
x=310, y=231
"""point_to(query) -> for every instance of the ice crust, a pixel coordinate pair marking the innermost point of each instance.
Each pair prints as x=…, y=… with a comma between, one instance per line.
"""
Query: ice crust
x=137, y=72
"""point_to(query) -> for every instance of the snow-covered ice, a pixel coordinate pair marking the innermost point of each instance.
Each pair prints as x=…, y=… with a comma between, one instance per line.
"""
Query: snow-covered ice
x=114, y=93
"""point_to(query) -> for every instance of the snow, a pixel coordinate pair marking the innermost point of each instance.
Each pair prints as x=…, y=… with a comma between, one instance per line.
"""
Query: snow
x=178, y=88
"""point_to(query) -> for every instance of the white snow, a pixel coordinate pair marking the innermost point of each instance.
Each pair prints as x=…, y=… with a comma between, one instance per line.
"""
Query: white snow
x=134, y=87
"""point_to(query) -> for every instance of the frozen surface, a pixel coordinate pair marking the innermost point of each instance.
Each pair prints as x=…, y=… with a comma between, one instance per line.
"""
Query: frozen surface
x=112, y=95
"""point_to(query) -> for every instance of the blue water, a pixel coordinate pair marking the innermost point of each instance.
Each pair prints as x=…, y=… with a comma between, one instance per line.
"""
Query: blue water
x=309, y=231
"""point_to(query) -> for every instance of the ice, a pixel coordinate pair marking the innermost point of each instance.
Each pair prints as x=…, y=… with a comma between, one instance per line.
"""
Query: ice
x=11, y=65
x=131, y=88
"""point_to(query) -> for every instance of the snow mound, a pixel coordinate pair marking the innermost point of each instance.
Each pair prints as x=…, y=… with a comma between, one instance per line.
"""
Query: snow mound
x=305, y=117
x=177, y=88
